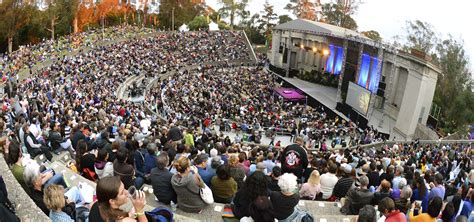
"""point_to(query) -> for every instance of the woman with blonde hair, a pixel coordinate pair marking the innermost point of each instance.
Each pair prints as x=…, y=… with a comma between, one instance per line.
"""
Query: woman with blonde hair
x=311, y=189
x=54, y=200
x=235, y=171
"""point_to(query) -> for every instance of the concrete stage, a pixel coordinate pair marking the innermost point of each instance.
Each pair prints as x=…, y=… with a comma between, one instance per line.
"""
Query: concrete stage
x=327, y=96
x=324, y=94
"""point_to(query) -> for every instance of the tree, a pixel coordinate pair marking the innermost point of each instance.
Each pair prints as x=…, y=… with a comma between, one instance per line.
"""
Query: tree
x=184, y=12
x=421, y=36
x=233, y=8
x=334, y=14
x=13, y=16
x=59, y=13
x=303, y=9
x=453, y=87
x=374, y=35
x=349, y=7
x=283, y=19
x=253, y=32
x=199, y=22
x=267, y=19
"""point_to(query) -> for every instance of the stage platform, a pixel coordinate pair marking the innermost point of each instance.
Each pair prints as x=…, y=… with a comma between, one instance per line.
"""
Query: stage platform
x=324, y=94
x=327, y=96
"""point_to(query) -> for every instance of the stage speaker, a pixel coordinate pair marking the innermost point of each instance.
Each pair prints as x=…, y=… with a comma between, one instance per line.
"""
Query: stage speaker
x=382, y=85
x=380, y=92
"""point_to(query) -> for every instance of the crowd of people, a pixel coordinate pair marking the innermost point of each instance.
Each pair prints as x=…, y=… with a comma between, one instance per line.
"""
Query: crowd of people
x=71, y=106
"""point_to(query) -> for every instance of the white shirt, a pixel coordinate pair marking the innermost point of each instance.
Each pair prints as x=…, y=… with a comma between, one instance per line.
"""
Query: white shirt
x=328, y=181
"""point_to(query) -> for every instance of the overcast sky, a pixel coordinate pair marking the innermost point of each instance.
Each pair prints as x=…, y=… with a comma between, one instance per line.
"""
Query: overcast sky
x=455, y=17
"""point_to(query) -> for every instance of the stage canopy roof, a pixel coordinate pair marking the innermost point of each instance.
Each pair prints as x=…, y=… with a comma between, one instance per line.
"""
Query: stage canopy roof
x=289, y=94
x=303, y=25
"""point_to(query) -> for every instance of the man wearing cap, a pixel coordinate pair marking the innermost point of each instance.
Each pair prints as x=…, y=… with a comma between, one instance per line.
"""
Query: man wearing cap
x=344, y=183
x=201, y=163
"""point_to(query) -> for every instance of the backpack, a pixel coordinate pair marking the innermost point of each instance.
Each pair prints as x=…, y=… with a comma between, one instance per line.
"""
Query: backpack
x=303, y=216
x=159, y=214
x=299, y=215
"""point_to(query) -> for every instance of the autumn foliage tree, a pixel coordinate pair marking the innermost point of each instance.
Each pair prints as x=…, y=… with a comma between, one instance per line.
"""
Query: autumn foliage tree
x=303, y=9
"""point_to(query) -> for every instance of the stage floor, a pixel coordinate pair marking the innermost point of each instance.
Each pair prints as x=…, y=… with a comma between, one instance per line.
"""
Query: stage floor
x=327, y=96
x=324, y=94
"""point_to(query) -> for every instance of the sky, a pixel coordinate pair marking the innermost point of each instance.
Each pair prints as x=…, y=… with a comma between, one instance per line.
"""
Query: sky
x=389, y=18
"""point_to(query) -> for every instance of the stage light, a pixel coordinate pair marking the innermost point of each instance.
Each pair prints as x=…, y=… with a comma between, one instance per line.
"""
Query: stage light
x=302, y=46
x=315, y=49
x=325, y=52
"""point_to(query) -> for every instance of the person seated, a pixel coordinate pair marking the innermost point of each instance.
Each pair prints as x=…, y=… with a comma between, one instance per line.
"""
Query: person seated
x=103, y=168
x=201, y=164
x=367, y=214
x=235, y=171
x=382, y=191
x=187, y=185
x=396, y=191
x=344, y=183
x=284, y=202
x=328, y=181
x=403, y=204
x=311, y=189
x=357, y=198
x=468, y=205
x=434, y=208
x=85, y=161
x=273, y=179
x=17, y=168
x=33, y=146
x=161, y=180
x=125, y=170
x=150, y=158
x=255, y=185
x=62, y=205
x=56, y=140
x=448, y=214
x=36, y=181
x=260, y=209
x=386, y=206
x=5, y=213
x=111, y=194
x=223, y=186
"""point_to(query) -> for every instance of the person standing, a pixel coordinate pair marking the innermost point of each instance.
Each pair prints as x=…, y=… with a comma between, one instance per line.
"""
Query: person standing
x=294, y=159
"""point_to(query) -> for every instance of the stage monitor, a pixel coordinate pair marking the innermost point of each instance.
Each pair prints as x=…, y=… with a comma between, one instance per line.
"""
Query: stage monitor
x=358, y=98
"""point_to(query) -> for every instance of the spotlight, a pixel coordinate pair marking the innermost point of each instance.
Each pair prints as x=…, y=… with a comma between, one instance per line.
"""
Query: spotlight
x=325, y=52
x=315, y=49
x=302, y=46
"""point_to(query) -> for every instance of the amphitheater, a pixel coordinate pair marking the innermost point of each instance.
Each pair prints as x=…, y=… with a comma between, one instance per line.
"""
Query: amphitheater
x=100, y=69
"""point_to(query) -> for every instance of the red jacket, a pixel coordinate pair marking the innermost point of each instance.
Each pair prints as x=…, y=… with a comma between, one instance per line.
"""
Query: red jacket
x=396, y=216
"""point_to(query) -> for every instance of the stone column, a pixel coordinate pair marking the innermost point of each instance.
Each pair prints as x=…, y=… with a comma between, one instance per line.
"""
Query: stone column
x=410, y=107
x=361, y=50
x=341, y=76
x=289, y=44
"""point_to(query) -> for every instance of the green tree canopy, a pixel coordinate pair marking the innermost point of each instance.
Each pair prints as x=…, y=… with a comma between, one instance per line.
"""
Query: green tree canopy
x=184, y=12
x=372, y=34
x=233, y=8
x=284, y=18
x=199, y=22
x=421, y=36
x=267, y=21
x=334, y=14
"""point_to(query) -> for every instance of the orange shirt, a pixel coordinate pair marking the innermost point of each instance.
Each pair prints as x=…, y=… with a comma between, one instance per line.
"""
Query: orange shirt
x=424, y=217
